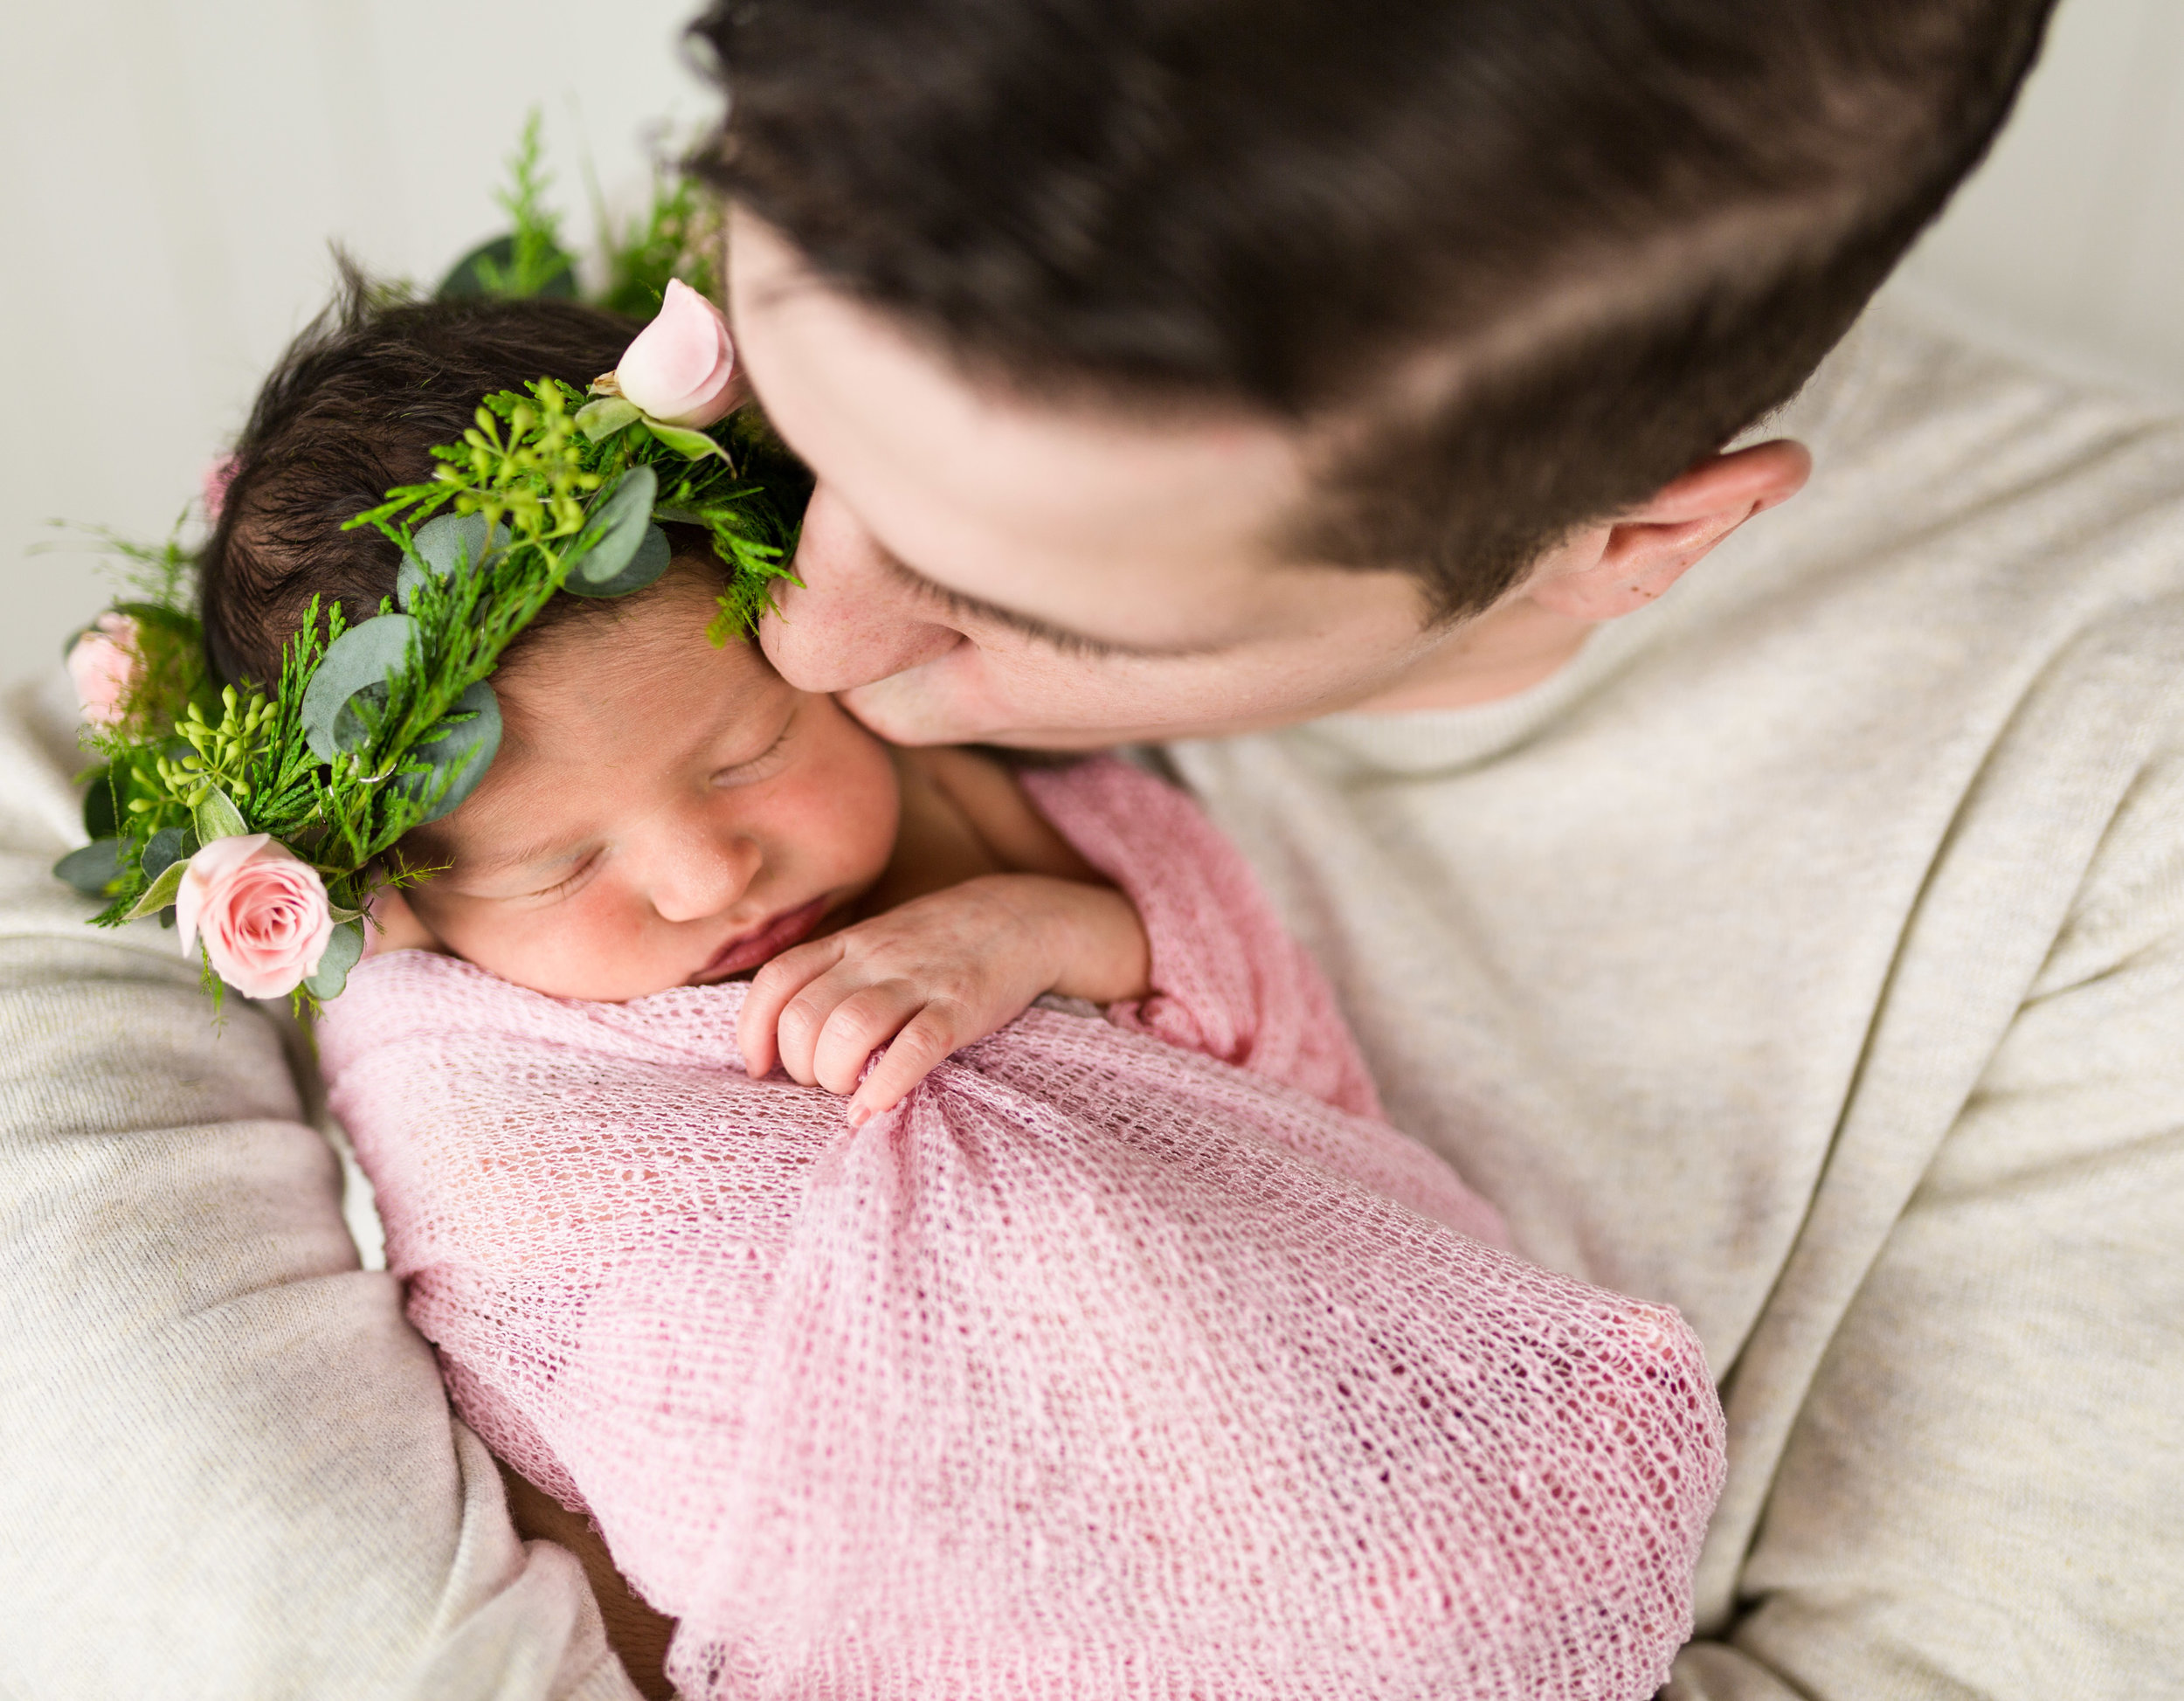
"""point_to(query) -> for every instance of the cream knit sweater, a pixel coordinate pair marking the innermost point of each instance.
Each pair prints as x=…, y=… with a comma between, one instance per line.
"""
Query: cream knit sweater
x=1809, y=953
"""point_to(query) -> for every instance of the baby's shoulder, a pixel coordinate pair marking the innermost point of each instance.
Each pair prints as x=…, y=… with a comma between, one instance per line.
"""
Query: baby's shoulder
x=986, y=790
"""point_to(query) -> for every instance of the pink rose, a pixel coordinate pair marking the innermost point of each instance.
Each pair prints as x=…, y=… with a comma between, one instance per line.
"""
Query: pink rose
x=682, y=368
x=217, y=477
x=102, y=664
x=262, y=910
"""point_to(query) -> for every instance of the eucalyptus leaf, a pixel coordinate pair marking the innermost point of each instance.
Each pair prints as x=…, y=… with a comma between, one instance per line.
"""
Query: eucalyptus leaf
x=359, y=660
x=694, y=444
x=169, y=844
x=448, y=543
x=343, y=949
x=94, y=868
x=614, y=531
x=99, y=819
x=217, y=818
x=161, y=892
x=653, y=553
x=463, y=745
x=601, y=419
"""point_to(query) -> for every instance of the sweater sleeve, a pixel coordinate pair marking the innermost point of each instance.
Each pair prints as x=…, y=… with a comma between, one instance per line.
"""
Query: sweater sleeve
x=1980, y=1497
x=227, y=1467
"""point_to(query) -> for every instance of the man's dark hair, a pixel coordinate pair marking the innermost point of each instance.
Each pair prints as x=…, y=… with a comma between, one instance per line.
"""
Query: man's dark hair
x=354, y=408
x=1540, y=256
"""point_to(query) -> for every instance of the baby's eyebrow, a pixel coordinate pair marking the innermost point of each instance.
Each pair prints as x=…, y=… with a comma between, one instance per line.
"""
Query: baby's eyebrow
x=522, y=856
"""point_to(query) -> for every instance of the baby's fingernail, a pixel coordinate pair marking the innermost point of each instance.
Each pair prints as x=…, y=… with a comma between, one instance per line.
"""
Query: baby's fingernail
x=859, y=1115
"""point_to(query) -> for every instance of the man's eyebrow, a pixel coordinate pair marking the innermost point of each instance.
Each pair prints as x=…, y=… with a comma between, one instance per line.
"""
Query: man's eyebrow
x=1044, y=632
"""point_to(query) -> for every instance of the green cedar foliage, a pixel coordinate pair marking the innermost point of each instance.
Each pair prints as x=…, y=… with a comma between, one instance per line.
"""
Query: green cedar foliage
x=530, y=261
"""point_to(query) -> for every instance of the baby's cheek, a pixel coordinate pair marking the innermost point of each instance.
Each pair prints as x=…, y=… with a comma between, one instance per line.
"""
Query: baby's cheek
x=580, y=948
x=849, y=805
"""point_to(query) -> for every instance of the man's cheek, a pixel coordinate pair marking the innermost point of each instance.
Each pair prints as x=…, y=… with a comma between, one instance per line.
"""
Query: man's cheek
x=928, y=705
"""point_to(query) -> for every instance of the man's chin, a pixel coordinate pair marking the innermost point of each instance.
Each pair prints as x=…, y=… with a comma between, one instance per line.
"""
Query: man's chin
x=903, y=713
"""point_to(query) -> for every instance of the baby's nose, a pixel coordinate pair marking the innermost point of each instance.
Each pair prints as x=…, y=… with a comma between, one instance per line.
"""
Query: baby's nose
x=697, y=875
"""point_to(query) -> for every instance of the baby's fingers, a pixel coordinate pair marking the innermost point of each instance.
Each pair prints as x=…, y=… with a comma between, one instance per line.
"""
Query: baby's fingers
x=925, y=1040
x=771, y=989
x=859, y=1024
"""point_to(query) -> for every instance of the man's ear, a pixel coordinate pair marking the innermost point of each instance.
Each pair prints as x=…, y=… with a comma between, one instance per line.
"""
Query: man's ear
x=1616, y=567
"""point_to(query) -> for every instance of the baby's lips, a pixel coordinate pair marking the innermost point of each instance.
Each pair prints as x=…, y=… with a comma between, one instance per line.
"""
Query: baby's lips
x=767, y=940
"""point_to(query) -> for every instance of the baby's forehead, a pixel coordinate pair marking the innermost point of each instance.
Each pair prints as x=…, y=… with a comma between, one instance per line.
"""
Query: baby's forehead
x=598, y=707
x=656, y=642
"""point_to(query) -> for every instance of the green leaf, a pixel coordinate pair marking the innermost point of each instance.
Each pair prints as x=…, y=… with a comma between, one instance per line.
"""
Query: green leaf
x=169, y=844
x=694, y=444
x=613, y=536
x=446, y=544
x=217, y=818
x=653, y=553
x=99, y=818
x=94, y=868
x=343, y=949
x=160, y=893
x=493, y=268
x=359, y=660
x=461, y=749
x=600, y=419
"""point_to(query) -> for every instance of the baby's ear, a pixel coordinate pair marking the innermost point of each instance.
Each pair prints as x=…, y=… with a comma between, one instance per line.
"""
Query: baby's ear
x=395, y=926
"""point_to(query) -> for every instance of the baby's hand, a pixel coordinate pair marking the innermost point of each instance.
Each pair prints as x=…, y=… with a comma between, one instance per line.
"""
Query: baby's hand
x=933, y=975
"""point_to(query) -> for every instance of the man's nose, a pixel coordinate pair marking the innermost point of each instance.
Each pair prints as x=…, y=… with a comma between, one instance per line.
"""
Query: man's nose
x=855, y=620
x=696, y=873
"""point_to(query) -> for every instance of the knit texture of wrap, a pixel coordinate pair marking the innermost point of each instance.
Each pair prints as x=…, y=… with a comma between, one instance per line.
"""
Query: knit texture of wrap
x=1132, y=1355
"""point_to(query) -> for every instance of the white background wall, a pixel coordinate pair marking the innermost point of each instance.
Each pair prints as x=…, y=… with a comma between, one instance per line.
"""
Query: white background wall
x=174, y=169
x=2070, y=239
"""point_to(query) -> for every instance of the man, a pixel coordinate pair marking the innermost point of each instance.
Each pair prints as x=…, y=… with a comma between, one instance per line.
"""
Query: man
x=1343, y=397
x=1784, y=942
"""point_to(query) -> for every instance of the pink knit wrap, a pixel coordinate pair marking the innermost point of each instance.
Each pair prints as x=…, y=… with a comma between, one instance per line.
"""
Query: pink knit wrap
x=1131, y=1356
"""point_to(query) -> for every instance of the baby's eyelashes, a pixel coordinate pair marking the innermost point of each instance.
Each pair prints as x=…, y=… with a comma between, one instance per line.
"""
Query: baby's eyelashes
x=765, y=765
x=559, y=878
x=568, y=882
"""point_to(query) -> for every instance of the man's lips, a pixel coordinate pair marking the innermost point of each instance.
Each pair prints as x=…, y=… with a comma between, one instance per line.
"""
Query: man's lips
x=748, y=950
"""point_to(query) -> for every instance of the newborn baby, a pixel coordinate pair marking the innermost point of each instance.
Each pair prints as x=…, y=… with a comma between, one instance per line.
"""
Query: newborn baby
x=1105, y=1342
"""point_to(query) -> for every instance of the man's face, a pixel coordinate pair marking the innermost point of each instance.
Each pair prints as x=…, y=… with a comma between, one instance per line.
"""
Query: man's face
x=982, y=566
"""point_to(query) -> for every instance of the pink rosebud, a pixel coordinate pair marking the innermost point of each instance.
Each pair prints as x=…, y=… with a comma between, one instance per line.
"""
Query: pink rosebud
x=682, y=368
x=217, y=477
x=102, y=664
x=262, y=910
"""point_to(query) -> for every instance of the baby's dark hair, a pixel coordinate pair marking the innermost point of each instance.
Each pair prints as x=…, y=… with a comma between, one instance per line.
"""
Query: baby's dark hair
x=354, y=407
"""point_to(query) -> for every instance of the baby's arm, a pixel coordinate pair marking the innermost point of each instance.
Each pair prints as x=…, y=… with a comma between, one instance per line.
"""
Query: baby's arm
x=948, y=962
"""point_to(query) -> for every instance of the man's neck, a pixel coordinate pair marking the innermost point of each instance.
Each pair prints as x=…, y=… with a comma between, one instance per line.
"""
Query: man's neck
x=1509, y=649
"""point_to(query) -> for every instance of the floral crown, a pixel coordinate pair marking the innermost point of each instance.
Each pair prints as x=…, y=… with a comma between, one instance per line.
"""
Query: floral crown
x=258, y=823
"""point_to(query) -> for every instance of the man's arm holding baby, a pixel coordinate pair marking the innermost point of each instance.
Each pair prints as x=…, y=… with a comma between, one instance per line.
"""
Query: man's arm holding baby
x=227, y=1465
x=991, y=910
